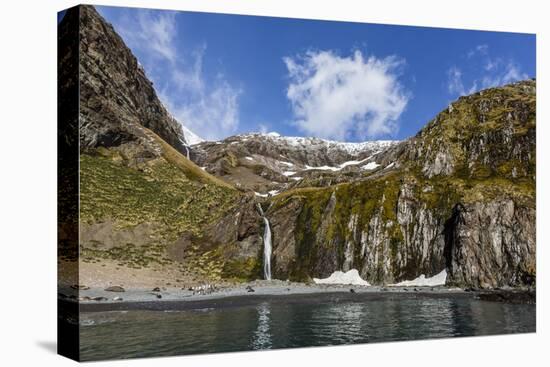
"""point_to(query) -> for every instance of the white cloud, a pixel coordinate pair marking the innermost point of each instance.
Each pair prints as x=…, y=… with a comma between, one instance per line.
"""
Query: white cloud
x=157, y=32
x=207, y=106
x=263, y=128
x=484, y=72
x=455, y=85
x=212, y=115
x=344, y=97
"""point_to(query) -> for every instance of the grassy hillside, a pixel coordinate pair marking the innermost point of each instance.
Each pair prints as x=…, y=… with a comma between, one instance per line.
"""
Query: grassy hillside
x=169, y=195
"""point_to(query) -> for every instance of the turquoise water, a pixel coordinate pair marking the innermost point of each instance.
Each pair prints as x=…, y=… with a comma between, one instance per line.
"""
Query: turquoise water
x=266, y=325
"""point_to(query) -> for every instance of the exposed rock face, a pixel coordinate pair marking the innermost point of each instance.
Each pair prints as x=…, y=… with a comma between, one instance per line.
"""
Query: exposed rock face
x=233, y=242
x=491, y=244
x=268, y=162
x=116, y=98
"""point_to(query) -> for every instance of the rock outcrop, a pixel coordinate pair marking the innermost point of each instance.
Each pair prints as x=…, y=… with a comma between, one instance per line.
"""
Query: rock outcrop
x=116, y=97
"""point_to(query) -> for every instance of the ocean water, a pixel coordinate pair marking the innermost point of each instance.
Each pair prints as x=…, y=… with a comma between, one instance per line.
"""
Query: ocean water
x=292, y=323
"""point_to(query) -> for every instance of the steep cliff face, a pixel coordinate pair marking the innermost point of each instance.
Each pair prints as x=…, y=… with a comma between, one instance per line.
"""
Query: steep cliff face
x=116, y=98
x=490, y=244
x=460, y=196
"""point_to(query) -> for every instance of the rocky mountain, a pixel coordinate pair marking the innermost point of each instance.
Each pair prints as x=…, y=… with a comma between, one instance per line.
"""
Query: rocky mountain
x=140, y=197
x=270, y=163
x=116, y=97
x=460, y=195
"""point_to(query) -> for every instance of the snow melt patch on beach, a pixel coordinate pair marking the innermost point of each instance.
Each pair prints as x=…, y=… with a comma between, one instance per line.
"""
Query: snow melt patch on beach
x=422, y=281
x=338, y=277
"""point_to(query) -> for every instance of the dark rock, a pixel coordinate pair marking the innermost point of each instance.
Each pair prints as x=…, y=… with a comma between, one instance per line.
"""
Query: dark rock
x=116, y=98
x=99, y=299
x=156, y=289
x=115, y=288
x=80, y=287
x=516, y=297
x=352, y=290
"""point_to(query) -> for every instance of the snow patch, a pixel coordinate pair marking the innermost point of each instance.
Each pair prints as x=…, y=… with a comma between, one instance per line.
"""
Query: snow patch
x=352, y=163
x=190, y=137
x=260, y=195
x=341, y=166
x=322, y=168
x=370, y=166
x=422, y=281
x=338, y=277
x=350, y=148
x=273, y=192
x=296, y=178
x=289, y=173
x=249, y=158
x=287, y=163
x=390, y=165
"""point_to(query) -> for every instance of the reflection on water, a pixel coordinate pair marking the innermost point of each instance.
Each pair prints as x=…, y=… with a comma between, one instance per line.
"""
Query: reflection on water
x=262, y=336
x=293, y=324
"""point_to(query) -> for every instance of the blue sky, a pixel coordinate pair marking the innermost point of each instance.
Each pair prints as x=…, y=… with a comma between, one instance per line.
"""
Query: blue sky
x=222, y=75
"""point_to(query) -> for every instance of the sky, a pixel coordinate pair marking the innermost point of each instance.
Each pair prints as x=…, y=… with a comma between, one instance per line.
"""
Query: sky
x=222, y=75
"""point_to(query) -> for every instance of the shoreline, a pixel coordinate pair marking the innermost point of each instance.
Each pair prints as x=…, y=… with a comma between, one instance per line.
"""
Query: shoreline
x=97, y=299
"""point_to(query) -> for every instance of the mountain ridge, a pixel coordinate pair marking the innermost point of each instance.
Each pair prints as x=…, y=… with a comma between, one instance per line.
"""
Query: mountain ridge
x=459, y=195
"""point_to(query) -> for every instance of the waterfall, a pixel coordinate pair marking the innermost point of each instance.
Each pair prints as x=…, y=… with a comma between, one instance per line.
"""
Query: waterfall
x=267, y=245
x=267, y=250
x=187, y=150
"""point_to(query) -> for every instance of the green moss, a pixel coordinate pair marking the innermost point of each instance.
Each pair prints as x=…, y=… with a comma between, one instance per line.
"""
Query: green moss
x=129, y=255
x=242, y=269
x=156, y=193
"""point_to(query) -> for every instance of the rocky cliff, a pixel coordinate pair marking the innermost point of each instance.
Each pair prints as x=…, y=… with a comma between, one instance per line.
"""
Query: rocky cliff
x=143, y=206
x=116, y=97
x=460, y=195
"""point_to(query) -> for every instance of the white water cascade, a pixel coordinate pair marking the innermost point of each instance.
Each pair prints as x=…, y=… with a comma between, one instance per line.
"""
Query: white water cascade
x=267, y=246
x=267, y=250
x=187, y=151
